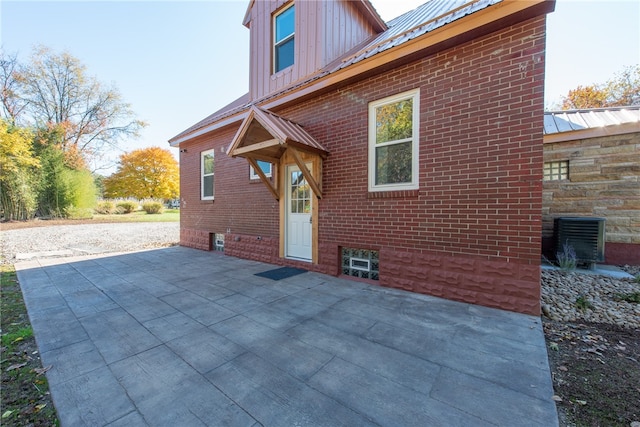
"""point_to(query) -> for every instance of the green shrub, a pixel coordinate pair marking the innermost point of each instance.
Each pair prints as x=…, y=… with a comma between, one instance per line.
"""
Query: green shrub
x=153, y=207
x=78, y=213
x=583, y=304
x=105, y=207
x=567, y=259
x=63, y=189
x=127, y=206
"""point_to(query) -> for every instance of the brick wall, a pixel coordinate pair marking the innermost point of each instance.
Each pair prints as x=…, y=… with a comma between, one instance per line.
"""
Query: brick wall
x=604, y=182
x=240, y=206
x=479, y=200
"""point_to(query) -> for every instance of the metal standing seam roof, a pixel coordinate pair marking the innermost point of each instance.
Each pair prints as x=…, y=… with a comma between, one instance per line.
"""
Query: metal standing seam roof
x=285, y=131
x=423, y=19
x=575, y=120
x=431, y=15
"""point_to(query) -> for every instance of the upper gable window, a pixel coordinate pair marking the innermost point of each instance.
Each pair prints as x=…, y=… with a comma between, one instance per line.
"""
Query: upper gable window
x=393, y=142
x=283, y=44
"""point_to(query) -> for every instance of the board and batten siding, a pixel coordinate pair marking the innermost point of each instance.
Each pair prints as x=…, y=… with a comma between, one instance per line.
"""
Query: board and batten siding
x=323, y=32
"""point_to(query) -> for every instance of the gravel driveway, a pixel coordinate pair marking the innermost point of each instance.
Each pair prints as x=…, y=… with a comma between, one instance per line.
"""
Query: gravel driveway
x=82, y=239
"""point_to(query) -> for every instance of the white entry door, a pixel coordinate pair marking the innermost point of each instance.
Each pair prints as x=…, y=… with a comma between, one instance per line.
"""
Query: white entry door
x=298, y=222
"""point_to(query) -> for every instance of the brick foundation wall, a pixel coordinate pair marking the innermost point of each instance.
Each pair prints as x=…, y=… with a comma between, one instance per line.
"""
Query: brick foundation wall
x=197, y=239
x=604, y=182
x=479, y=200
x=491, y=283
x=250, y=247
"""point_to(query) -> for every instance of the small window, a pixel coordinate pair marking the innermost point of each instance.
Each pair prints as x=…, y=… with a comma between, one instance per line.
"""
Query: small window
x=361, y=263
x=264, y=166
x=556, y=171
x=393, y=142
x=207, y=168
x=284, y=43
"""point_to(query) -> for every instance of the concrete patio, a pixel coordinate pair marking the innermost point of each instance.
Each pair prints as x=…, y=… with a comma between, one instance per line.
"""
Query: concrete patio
x=180, y=337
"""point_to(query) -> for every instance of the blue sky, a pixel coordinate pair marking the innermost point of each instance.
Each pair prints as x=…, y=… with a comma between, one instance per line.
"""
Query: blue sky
x=177, y=62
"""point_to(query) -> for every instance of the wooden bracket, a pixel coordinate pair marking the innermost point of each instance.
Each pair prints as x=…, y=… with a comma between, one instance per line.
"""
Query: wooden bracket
x=306, y=172
x=263, y=178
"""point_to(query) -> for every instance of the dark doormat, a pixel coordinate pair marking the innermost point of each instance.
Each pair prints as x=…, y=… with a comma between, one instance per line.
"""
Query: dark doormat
x=281, y=273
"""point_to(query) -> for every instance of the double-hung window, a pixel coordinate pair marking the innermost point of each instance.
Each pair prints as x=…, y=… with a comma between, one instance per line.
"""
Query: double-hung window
x=393, y=142
x=284, y=40
x=207, y=170
x=264, y=166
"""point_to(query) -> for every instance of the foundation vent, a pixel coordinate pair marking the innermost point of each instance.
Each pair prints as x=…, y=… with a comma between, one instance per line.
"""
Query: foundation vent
x=361, y=263
x=218, y=243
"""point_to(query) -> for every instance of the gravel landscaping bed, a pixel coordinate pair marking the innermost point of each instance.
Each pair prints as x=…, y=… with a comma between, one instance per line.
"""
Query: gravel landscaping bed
x=573, y=296
x=82, y=239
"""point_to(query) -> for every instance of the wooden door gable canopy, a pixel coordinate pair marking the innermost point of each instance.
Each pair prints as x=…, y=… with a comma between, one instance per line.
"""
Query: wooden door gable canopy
x=266, y=136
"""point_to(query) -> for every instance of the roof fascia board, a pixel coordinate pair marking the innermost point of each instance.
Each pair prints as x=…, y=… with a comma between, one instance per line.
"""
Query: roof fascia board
x=247, y=14
x=238, y=117
x=592, y=133
x=372, y=15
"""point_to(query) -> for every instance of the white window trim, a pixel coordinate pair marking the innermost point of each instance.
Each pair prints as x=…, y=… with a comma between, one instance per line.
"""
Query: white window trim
x=276, y=43
x=254, y=175
x=415, y=146
x=202, y=175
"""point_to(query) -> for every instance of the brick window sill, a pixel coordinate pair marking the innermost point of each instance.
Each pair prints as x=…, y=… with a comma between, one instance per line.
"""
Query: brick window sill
x=400, y=194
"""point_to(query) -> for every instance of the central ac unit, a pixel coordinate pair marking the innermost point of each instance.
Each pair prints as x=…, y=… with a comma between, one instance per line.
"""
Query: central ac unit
x=585, y=235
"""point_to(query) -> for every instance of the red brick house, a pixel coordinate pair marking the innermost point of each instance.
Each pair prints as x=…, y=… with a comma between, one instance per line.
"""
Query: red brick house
x=407, y=153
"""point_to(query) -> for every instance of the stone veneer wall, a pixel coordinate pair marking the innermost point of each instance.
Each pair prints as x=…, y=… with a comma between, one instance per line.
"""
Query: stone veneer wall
x=604, y=182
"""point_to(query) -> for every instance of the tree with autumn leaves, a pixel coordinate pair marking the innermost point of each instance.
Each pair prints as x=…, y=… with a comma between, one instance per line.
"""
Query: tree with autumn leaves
x=54, y=120
x=620, y=91
x=147, y=173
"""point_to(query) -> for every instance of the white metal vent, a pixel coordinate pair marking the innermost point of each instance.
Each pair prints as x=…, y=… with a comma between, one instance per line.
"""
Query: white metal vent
x=219, y=242
x=360, y=264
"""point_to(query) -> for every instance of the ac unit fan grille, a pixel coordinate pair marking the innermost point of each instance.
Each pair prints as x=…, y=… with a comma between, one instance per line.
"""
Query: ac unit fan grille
x=584, y=235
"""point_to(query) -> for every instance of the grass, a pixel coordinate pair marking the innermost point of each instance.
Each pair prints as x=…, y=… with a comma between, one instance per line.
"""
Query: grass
x=10, y=339
x=25, y=391
x=632, y=297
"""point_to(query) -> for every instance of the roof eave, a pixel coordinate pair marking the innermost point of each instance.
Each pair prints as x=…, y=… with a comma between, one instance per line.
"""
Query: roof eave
x=247, y=15
x=456, y=32
x=612, y=130
x=372, y=15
